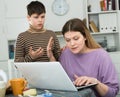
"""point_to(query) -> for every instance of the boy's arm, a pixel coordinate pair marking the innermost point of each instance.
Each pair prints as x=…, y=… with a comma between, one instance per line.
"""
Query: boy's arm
x=20, y=52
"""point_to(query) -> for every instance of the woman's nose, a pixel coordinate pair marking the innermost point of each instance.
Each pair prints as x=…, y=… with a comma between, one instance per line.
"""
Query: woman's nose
x=72, y=42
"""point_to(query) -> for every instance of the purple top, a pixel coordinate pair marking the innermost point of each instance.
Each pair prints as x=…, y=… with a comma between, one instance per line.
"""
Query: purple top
x=95, y=64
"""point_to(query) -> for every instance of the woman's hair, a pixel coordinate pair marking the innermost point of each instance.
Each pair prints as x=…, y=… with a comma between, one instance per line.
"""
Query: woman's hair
x=35, y=7
x=78, y=25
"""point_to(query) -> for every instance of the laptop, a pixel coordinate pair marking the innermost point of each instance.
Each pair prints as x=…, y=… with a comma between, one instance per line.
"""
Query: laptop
x=47, y=75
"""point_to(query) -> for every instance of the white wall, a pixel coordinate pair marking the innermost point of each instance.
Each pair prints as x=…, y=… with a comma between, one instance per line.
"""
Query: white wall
x=16, y=9
x=3, y=41
x=13, y=19
x=15, y=15
x=55, y=22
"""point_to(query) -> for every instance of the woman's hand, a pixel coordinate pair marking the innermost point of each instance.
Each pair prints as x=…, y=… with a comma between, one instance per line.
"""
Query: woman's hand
x=35, y=54
x=84, y=80
x=63, y=48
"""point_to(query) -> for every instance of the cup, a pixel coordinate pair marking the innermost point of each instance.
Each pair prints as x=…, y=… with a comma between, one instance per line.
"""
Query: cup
x=2, y=88
x=18, y=85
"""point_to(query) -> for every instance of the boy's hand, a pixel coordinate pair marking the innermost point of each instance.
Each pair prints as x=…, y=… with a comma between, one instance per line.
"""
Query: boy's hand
x=49, y=49
x=35, y=54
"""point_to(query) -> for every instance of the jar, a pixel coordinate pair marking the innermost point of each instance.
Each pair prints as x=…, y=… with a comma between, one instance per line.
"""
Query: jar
x=2, y=88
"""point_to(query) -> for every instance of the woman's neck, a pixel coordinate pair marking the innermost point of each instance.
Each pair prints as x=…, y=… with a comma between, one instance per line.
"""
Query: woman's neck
x=85, y=49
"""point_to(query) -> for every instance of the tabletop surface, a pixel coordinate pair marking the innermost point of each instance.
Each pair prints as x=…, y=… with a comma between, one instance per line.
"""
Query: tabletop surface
x=81, y=93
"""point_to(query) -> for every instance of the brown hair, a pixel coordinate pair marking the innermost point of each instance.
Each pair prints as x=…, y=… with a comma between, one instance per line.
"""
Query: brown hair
x=78, y=25
x=35, y=7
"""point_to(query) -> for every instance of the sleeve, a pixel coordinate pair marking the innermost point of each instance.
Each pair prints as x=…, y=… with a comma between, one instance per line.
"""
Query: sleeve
x=56, y=48
x=108, y=75
x=63, y=59
x=20, y=50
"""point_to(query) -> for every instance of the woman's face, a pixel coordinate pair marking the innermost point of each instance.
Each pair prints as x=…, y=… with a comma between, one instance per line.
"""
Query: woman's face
x=75, y=41
x=37, y=21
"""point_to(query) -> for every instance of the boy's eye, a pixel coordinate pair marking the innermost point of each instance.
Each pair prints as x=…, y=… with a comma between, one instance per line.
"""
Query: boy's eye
x=36, y=17
x=42, y=16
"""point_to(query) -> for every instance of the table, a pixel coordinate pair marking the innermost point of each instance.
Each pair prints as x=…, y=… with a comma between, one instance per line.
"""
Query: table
x=82, y=93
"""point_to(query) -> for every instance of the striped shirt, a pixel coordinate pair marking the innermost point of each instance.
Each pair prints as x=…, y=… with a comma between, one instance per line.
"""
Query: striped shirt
x=29, y=39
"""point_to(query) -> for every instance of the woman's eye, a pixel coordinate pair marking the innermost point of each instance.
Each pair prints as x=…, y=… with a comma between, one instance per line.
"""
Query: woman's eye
x=67, y=40
x=76, y=38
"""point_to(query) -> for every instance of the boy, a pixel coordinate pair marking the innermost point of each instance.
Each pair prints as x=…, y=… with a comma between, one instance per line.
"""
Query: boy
x=37, y=43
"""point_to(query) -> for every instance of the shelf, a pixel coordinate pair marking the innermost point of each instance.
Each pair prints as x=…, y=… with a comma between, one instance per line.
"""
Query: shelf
x=103, y=33
x=106, y=22
x=103, y=12
x=11, y=39
x=116, y=52
x=59, y=34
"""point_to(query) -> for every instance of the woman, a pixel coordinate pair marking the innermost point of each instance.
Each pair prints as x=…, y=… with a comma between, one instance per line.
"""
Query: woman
x=86, y=62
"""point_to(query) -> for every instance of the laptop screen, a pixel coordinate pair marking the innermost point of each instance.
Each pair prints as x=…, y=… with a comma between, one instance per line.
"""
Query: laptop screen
x=46, y=75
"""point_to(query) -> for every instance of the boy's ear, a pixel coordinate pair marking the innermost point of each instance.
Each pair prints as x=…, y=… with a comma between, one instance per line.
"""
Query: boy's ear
x=28, y=17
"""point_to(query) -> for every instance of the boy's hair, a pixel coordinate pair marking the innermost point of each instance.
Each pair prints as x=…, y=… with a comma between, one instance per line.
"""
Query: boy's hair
x=35, y=7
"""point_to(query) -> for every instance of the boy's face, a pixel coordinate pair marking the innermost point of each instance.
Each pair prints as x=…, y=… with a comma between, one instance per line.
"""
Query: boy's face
x=37, y=21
